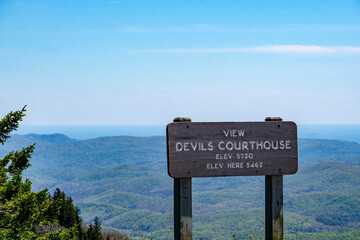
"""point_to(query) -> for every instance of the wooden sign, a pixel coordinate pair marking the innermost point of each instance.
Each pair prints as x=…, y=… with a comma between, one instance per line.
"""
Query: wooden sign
x=213, y=149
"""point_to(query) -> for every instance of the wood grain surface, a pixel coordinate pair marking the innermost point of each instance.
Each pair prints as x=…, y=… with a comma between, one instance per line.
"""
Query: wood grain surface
x=214, y=149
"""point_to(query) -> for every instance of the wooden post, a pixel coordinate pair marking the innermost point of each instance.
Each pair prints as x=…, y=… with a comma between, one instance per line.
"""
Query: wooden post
x=274, y=221
x=182, y=204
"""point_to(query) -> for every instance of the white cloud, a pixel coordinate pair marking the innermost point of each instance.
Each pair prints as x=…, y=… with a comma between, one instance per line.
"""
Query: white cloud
x=285, y=49
x=305, y=49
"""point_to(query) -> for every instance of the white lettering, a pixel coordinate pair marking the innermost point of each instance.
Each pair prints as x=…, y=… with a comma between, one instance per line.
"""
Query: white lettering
x=220, y=145
x=225, y=156
x=235, y=165
x=287, y=144
x=276, y=146
x=186, y=146
x=210, y=146
x=233, y=145
x=282, y=144
x=202, y=147
x=259, y=145
x=245, y=145
x=267, y=145
x=193, y=145
x=234, y=132
x=214, y=165
x=252, y=143
x=229, y=146
x=241, y=133
x=178, y=147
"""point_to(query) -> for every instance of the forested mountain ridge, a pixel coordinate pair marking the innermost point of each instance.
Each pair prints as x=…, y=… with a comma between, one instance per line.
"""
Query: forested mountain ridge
x=124, y=181
x=319, y=150
x=110, y=151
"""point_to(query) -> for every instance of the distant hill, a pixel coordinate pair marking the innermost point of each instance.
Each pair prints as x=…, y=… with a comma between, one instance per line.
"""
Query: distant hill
x=62, y=151
x=43, y=139
x=124, y=181
x=64, y=159
x=315, y=150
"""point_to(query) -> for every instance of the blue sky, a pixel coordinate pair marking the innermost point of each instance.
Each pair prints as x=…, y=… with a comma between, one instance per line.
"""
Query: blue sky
x=146, y=62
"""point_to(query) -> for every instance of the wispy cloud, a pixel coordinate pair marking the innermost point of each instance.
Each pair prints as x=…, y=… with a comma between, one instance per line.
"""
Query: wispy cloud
x=215, y=28
x=305, y=49
x=282, y=49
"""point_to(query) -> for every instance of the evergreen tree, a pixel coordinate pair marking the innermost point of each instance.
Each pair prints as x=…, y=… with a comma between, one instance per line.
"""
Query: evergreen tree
x=97, y=229
x=78, y=221
x=69, y=215
x=89, y=232
x=20, y=208
x=94, y=230
x=60, y=197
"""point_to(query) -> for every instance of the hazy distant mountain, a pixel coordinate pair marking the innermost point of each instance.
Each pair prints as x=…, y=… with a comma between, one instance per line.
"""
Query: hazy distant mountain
x=124, y=181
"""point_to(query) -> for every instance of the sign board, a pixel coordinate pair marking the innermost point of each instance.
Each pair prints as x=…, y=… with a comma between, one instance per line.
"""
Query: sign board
x=214, y=149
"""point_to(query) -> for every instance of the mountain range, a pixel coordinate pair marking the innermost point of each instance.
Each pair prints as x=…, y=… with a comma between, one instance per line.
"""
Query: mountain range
x=123, y=180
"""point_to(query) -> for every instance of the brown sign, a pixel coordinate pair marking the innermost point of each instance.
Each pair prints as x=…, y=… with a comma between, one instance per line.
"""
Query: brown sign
x=231, y=149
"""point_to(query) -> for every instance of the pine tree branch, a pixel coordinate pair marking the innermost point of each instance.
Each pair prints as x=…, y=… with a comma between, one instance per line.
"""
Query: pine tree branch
x=10, y=123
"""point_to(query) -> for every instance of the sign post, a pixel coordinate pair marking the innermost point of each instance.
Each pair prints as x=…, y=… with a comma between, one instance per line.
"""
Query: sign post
x=274, y=221
x=216, y=149
x=182, y=204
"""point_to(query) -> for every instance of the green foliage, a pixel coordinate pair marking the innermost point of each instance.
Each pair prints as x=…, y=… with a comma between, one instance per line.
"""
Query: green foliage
x=10, y=123
x=130, y=190
x=69, y=214
x=348, y=234
x=69, y=234
x=315, y=150
x=94, y=230
x=20, y=208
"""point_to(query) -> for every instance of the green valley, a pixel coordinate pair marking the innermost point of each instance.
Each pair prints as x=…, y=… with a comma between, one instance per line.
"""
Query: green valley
x=124, y=181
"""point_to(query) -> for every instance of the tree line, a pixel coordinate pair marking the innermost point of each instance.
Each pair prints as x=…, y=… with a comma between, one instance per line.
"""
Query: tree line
x=69, y=217
x=25, y=214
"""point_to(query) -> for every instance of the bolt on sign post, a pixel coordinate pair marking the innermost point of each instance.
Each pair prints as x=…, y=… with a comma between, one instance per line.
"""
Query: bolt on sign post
x=216, y=149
